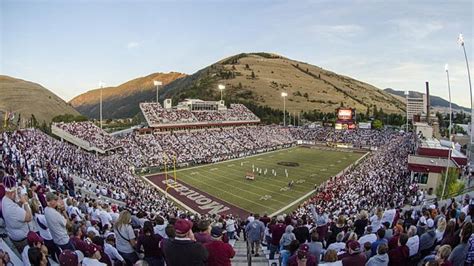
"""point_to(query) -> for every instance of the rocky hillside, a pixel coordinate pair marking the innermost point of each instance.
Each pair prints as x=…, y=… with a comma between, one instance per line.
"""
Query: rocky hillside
x=260, y=78
x=27, y=98
x=122, y=101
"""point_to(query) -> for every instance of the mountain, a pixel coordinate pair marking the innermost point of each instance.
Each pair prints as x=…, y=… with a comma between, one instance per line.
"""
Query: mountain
x=122, y=101
x=259, y=79
x=437, y=103
x=27, y=98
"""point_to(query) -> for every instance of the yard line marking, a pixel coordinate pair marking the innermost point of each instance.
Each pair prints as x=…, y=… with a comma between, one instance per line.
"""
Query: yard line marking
x=214, y=169
x=234, y=195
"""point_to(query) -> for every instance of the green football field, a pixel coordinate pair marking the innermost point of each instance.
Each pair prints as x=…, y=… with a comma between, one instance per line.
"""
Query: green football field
x=268, y=193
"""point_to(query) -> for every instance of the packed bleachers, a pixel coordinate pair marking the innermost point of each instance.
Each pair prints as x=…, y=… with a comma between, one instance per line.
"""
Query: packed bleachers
x=90, y=133
x=367, y=204
x=155, y=114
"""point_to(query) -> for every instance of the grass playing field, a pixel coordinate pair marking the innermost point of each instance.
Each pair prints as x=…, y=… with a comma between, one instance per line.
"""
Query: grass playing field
x=268, y=193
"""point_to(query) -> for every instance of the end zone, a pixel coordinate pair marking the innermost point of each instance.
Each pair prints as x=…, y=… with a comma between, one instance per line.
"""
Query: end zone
x=195, y=199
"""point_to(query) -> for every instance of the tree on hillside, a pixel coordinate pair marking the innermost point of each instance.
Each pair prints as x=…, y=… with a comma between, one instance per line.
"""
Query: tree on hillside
x=253, y=75
x=247, y=66
x=377, y=124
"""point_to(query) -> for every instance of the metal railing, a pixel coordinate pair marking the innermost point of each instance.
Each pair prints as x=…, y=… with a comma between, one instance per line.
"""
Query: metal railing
x=249, y=252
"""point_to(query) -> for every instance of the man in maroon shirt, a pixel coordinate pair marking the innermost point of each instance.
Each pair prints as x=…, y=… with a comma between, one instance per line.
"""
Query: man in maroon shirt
x=265, y=219
x=220, y=253
x=204, y=234
x=399, y=255
x=277, y=230
x=355, y=257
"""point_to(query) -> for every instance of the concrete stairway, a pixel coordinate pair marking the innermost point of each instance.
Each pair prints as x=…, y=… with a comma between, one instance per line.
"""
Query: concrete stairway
x=240, y=258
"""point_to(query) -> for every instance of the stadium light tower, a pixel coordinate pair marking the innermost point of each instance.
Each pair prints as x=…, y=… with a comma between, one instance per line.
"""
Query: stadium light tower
x=101, y=84
x=461, y=42
x=406, y=96
x=449, y=132
x=157, y=83
x=221, y=88
x=284, y=95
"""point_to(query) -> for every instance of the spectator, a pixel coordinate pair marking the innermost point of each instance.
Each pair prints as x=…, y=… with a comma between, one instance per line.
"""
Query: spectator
x=16, y=218
x=459, y=253
x=368, y=236
x=37, y=257
x=380, y=240
x=339, y=244
x=92, y=256
x=444, y=252
x=69, y=258
x=301, y=232
x=255, y=231
x=428, y=239
x=277, y=230
x=56, y=219
x=34, y=241
x=399, y=255
x=413, y=242
x=381, y=258
x=183, y=249
x=355, y=255
x=287, y=237
x=303, y=257
x=361, y=223
x=330, y=258
x=315, y=246
x=220, y=253
x=204, y=234
x=150, y=242
x=126, y=239
x=111, y=251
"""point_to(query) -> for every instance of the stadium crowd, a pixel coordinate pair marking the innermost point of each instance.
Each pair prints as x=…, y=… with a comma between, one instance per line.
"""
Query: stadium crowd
x=355, y=219
x=156, y=114
x=89, y=132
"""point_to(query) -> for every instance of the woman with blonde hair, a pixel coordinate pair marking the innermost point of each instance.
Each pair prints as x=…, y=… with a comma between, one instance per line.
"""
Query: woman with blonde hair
x=376, y=219
x=361, y=223
x=125, y=238
x=440, y=229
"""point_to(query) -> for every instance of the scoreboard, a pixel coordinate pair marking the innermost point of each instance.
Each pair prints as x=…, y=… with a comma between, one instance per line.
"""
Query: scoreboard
x=345, y=118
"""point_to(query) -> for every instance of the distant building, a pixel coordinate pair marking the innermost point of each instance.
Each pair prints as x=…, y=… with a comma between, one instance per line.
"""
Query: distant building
x=416, y=106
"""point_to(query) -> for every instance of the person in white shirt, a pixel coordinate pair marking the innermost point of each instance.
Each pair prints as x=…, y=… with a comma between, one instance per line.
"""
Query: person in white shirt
x=339, y=244
x=389, y=215
x=104, y=217
x=92, y=256
x=110, y=249
x=413, y=242
x=368, y=236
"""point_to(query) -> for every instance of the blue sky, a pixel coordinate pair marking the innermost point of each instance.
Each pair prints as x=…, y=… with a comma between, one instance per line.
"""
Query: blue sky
x=69, y=46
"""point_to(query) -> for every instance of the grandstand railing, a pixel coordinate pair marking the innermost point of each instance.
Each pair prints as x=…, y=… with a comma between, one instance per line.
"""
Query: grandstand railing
x=451, y=195
x=249, y=252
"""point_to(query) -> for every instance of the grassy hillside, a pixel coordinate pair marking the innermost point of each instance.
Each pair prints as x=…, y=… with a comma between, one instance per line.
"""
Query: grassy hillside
x=260, y=78
x=122, y=101
x=256, y=79
x=27, y=98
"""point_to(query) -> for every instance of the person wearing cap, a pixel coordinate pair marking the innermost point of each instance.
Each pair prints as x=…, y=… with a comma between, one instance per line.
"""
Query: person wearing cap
x=400, y=255
x=92, y=256
x=303, y=257
x=255, y=231
x=111, y=251
x=428, y=238
x=69, y=258
x=220, y=253
x=34, y=240
x=125, y=237
x=56, y=218
x=183, y=249
x=16, y=218
x=459, y=253
x=355, y=256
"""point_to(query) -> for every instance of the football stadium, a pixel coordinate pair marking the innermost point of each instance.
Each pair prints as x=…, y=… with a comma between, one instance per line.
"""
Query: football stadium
x=254, y=159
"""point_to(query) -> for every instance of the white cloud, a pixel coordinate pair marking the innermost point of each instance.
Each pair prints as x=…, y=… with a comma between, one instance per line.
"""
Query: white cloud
x=338, y=31
x=133, y=45
x=414, y=29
